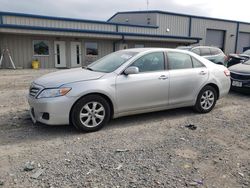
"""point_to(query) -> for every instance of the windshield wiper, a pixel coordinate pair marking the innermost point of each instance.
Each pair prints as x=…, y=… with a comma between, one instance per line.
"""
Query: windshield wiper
x=88, y=68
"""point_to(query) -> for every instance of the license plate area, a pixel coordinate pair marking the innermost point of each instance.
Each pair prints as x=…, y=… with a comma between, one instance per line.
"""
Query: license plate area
x=236, y=84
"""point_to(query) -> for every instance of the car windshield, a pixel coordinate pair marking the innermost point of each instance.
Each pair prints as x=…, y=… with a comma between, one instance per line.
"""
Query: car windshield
x=111, y=62
x=247, y=52
x=247, y=62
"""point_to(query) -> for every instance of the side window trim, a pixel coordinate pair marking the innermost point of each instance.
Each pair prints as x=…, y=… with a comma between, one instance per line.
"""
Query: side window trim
x=166, y=65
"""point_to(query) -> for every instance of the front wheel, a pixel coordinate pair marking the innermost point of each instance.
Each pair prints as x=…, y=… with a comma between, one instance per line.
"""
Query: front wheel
x=90, y=113
x=206, y=100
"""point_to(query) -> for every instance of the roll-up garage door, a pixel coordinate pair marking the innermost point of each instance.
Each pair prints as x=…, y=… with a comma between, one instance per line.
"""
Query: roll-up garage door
x=215, y=38
x=243, y=42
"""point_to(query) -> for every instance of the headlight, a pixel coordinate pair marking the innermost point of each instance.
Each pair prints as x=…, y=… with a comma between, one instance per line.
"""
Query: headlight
x=49, y=93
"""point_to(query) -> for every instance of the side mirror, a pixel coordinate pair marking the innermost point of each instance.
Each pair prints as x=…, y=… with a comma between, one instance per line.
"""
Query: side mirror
x=131, y=70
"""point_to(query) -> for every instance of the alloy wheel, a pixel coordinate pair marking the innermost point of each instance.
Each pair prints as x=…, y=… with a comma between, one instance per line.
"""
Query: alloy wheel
x=92, y=114
x=207, y=99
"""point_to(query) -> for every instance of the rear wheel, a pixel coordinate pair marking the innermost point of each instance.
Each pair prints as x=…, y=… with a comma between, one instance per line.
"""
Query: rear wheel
x=206, y=100
x=90, y=113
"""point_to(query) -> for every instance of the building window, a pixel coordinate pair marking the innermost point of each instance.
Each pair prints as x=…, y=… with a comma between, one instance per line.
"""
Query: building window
x=91, y=49
x=41, y=47
x=139, y=45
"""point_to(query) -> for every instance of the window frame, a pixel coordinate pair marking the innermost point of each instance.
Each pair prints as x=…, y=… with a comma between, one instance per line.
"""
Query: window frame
x=85, y=46
x=40, y=55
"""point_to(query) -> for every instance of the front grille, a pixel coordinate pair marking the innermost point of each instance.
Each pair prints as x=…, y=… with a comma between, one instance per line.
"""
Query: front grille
x=240, y=76
x=34, y=90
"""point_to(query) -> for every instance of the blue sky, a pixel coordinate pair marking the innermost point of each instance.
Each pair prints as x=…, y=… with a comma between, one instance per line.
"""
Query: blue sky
x=103, y=9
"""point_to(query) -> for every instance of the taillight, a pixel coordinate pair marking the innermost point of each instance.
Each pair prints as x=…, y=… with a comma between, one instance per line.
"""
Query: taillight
x=227, y=72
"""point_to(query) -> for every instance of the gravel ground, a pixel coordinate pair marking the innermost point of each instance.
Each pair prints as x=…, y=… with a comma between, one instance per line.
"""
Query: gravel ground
x=149, y=150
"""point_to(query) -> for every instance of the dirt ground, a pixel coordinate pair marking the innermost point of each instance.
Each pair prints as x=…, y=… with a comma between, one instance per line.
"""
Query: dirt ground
x=149, y=150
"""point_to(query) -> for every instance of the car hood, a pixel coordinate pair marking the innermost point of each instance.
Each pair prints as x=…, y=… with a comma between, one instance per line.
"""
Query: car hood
x=240, y=68
x=56, y=79
x=239, y=56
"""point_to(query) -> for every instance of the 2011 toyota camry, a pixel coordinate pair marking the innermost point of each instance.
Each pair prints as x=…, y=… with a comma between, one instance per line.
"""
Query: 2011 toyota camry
x=127, y=82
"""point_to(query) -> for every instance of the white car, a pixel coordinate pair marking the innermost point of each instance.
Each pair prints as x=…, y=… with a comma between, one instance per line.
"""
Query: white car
x=127, y=82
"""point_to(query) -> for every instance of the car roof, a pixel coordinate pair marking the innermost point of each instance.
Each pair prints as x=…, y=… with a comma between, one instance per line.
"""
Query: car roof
x=139, y=50
x=191, y=47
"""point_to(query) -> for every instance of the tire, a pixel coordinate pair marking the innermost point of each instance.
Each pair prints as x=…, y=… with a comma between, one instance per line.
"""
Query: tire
x=90, y=113
x=206, y=100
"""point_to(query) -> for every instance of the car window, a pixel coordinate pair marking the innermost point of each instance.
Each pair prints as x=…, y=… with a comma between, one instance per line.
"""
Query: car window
x=178, y=60
x=196, y=51
x=247, y=52
x=204, y=51
x=111, y=62
x=215, y=51
x=150, y=62
x=247, y=62
x=197, y=63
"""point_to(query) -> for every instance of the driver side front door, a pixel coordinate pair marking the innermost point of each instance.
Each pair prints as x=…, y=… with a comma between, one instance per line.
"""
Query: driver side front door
x=146, y=90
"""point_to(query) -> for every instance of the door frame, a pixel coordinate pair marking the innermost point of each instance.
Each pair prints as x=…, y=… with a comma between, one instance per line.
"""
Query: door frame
x=72, y=63
x=62, y=54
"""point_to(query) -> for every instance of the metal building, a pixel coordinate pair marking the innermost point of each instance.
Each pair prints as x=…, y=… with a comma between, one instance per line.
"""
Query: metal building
x=65, y=42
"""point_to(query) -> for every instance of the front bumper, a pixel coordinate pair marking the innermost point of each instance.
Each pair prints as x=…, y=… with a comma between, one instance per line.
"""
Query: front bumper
x=51, y=111
x=240, y=83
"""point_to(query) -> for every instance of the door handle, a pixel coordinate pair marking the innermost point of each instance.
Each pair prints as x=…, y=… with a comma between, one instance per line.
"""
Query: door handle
x=163, y=77
x=202, y=73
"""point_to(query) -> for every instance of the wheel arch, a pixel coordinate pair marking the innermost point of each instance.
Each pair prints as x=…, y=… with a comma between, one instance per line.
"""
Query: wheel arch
x=215, y=87
x=111, y=105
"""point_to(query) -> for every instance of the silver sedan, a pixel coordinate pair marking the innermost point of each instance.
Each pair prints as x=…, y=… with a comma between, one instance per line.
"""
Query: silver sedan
x=127, y=82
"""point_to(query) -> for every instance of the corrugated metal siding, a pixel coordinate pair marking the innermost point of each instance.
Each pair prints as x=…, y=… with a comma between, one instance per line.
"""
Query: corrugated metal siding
x=104, y=47
x=131, y=44
x=200, y=26
x=244, y=28
x=178, y=25
x=21, y=50
x=135, y=18
x=243, y=41
x=56, y=23
x=128, y=29
x=158, y=39
x=57, y=33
